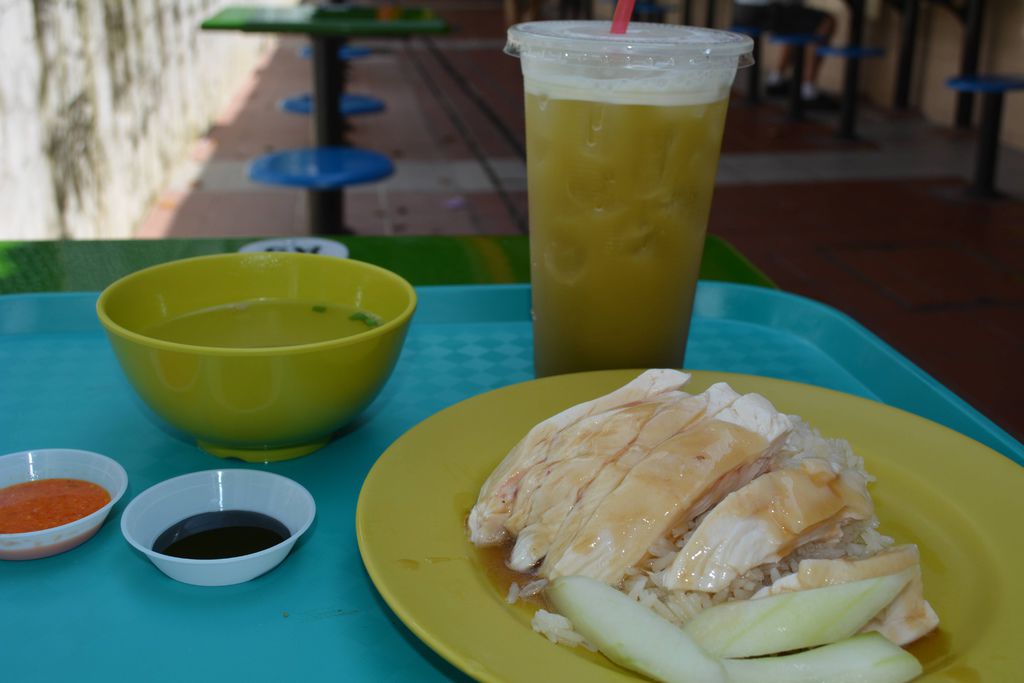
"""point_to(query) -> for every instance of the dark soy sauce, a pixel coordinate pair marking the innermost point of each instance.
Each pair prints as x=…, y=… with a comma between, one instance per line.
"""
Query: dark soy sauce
x=220, y=534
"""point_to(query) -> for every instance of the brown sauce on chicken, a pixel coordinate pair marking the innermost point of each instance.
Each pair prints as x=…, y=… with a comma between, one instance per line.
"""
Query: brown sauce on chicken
x=493, y=559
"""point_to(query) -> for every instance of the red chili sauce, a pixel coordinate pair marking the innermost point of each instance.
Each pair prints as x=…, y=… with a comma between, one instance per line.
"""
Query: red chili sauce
x=46, y=503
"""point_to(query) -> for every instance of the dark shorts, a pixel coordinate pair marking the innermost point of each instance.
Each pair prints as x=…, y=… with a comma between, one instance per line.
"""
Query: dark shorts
x=779, y=18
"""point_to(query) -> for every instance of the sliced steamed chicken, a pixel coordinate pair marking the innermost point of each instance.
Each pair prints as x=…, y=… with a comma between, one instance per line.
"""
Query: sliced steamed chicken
x=675, y=482
x=549, y=490
x=765, y=521
x=494, y=503
x=906, y=619
x=557, y=495
x=673, y=418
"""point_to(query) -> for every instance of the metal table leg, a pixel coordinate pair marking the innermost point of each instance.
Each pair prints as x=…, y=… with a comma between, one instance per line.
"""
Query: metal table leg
x=969, y=60
x=684, y=13
x=848, y=107
x=988, y=146
x=796, y=102
x=326, y=207
x=905, y=66
x=754, y=75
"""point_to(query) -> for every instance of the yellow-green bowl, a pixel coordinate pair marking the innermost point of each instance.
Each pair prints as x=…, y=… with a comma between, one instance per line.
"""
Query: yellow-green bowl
x=258, y=403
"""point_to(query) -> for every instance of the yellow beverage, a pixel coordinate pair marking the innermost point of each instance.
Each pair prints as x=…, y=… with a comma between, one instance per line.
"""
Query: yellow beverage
x=619, y=195
x=623, y=132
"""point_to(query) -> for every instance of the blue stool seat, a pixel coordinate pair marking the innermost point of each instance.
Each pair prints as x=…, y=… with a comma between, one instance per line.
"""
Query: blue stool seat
x=795, y=38
x=348, y=105
x=752, y=31
x=320, y=168
x=984, y=84
x=858, y=52
x=346, y=53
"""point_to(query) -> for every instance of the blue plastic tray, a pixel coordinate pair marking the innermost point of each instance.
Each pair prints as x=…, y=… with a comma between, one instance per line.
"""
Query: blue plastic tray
x=102, y=611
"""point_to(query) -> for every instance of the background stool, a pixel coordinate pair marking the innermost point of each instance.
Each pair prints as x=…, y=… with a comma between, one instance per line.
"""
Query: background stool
x=754, y=70
x=848, y=105
x=348, y=105
x=991, y=88
x=346, y=53
x=798, y=41
x=324, y=172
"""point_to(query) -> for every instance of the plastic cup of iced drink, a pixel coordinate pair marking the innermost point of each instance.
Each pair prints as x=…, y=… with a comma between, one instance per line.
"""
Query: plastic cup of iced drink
x=623, y=134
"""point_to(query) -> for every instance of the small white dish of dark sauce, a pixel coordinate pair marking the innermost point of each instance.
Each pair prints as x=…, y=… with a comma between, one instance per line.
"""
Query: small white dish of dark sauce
x=218, y=527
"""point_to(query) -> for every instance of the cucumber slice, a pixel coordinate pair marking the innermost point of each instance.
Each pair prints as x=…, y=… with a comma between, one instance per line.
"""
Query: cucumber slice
x=630, y=634
x=867, y=658
x=794, y=621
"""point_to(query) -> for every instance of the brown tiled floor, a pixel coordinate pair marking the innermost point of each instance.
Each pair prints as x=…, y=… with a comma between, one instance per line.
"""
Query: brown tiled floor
x=765, y=127
x=941, y=281
x=878, y=228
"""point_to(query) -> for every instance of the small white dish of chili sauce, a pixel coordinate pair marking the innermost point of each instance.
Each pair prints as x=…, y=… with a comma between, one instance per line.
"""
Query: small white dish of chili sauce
x=54, y=499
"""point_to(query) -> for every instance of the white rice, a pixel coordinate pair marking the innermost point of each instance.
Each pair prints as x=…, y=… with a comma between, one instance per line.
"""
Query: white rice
x=860, y=539
x=529, y=590
x=558, y=629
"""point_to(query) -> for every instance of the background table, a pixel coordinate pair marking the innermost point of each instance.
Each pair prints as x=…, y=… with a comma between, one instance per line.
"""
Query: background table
x=328, y=27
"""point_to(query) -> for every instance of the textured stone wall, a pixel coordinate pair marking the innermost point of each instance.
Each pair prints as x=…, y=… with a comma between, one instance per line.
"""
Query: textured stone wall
x=98, y=100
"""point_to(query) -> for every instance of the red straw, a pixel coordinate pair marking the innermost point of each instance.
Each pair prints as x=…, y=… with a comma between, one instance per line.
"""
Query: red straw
x=623, y=11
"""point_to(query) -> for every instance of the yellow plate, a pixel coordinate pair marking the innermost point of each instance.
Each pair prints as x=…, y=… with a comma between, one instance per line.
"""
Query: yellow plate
x=958, y=500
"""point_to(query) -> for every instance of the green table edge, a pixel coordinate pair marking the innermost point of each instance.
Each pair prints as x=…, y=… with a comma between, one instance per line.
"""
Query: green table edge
x=91, y=265
x=304, y=19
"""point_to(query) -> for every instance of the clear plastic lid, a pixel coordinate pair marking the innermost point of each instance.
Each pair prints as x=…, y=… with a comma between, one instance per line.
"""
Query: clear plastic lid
x=650, y=46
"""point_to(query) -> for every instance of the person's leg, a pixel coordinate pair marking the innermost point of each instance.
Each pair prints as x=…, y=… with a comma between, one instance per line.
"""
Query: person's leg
x=781, y=19
x=761, y=16
x=812, y=60
x=797, y=19
x=782, y=65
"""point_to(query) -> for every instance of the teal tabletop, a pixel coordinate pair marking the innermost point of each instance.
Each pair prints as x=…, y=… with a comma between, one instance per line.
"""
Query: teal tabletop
x=103, y=612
